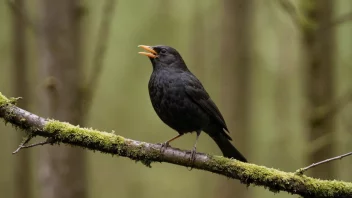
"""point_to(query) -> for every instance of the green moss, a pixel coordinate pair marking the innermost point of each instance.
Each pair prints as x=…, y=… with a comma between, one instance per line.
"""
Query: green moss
x=84, y=135
x=276, y=180
x=141, y=155
x=14, y=100
x=93, y=139
x=3, y=100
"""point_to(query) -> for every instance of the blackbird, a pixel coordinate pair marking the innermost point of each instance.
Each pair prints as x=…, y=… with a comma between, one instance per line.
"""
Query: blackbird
x=181, y=101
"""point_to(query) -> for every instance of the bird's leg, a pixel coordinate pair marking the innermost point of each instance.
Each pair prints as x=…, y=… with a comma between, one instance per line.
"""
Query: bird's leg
x=167, y=143
x=194, y=150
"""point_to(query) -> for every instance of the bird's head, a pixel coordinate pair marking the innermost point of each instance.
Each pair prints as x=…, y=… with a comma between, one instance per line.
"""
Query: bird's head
x=163, y=57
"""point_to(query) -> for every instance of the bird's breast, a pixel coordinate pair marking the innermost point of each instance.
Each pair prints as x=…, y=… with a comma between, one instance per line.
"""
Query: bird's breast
x=173, y=106
x=166, y=94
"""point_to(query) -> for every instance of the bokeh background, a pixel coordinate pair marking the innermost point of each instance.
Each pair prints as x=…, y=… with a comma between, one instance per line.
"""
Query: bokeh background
x=279, y=70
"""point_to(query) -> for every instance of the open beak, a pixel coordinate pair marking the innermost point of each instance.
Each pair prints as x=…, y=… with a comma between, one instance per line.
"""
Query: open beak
x=151, y=53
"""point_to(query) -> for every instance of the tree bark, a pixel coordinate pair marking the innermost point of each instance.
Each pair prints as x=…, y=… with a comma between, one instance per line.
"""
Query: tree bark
x=61, y=170
x=318, y=50
x=236, y=83
x=20, y=83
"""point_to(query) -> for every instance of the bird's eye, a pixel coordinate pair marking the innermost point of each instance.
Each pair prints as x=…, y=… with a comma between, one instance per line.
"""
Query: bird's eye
x=163, y=51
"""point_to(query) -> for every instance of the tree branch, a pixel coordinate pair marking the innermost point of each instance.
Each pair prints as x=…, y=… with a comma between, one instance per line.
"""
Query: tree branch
x=302, y=170
x=147, y=153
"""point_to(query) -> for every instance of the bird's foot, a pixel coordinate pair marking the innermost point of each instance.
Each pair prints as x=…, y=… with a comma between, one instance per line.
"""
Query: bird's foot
x=164, y=146
x=193, y=157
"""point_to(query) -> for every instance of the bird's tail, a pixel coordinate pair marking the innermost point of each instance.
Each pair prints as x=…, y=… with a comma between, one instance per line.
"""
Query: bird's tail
x=227, y=149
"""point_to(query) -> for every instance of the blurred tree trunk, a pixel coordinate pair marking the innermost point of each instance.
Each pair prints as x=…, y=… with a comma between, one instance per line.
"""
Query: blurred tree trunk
x=20, y=82
x=62, y=169
x=197, y=45
x=318, y=51
x=236, y=83
x=283, y=99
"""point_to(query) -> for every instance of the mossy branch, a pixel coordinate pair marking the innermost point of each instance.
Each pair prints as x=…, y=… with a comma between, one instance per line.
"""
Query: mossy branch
x=147, y=153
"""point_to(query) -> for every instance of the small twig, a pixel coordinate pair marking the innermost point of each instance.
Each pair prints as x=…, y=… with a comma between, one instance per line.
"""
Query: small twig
x=22, y=144
x=302, y=170
x=100, y=50
x=38, y=144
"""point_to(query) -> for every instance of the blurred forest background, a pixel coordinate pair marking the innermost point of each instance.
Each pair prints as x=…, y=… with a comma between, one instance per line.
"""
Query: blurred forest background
x=280, y=72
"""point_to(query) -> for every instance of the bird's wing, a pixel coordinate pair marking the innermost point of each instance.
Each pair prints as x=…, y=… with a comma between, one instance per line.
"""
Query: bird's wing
x=197, y=93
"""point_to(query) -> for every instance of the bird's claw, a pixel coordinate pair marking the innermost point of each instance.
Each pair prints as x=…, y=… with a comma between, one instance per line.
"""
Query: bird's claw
x=164, y=146
x=193, y=157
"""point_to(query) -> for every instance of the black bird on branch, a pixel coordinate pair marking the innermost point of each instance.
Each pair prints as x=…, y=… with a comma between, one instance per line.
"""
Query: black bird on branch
x=181, y=101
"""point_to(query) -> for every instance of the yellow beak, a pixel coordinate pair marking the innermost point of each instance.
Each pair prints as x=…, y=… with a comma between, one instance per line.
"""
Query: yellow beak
x=151, y=53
